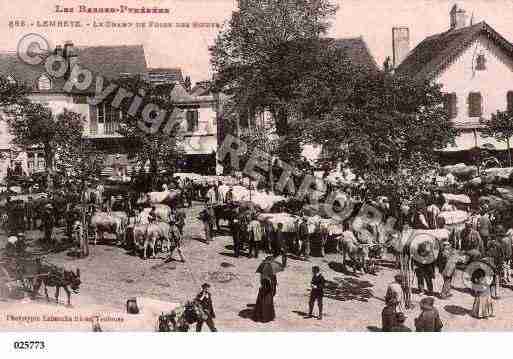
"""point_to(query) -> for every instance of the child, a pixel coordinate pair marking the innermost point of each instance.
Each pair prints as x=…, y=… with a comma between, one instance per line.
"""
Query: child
x=400, y=327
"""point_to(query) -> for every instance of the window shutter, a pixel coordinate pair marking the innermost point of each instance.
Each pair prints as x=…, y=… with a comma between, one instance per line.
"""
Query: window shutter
x=189, y=119
x=510, y=101
x=475, y=104
x=93, y=120
x=450, y=105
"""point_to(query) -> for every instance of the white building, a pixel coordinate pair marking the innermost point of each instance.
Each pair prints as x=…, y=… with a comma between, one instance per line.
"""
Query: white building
x=473, y=63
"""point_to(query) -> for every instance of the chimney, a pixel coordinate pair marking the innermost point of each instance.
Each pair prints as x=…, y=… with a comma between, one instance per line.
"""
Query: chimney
x=58, y=50
x=400, y=44
x=458, y=18
x=70, y=54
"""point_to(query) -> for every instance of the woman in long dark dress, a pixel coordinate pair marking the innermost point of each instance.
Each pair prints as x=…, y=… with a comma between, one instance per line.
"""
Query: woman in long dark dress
x=264, y=308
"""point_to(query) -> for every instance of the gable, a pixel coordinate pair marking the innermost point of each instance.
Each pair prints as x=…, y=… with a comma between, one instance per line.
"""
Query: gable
x=436, y=52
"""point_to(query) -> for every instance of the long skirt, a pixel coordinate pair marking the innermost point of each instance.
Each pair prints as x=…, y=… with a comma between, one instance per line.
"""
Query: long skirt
x=483, y=306
x=264, y=308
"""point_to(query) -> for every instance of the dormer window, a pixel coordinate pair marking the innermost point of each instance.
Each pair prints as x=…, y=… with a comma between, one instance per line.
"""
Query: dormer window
x=44, y=83
x=481, y=62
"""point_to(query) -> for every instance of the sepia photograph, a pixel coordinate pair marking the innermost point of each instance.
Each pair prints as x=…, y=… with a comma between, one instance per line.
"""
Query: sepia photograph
x=256, y=166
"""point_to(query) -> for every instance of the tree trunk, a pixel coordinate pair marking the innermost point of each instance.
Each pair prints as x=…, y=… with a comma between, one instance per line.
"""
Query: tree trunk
x=49, y=166
x=154, y=170
x=509, y=152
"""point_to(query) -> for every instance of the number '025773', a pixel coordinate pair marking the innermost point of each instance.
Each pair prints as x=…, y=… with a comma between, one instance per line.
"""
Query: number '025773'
x=29, y=345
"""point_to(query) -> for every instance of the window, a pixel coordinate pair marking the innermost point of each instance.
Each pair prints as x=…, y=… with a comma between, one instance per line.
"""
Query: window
x=192, y=120
x=450, y=105
x=109, y=117
x=509, y=99
x=475, y=108
x=44, y=83
x=481, y=62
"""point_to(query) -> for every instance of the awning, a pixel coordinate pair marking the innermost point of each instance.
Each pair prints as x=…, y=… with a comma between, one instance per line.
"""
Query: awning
x=468, y=140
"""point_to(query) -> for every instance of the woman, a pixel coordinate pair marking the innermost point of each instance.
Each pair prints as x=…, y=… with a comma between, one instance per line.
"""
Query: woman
x=483, y=302
x=264, y=308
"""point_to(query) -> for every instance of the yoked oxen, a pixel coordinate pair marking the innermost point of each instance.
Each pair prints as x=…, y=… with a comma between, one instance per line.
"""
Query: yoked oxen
x=102, y=222
x=147, y=235
x=171, y=198
x=53, y=276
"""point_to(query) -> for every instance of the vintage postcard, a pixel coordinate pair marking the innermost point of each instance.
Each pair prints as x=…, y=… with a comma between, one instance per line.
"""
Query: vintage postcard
x=256, y=166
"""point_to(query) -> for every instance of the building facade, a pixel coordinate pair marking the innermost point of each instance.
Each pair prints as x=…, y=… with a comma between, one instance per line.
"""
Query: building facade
x=197, y=111
x=474, y=65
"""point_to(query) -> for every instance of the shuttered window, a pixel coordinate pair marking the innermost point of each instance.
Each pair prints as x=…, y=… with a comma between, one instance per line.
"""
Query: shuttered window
x=450, y=105
x=509, y=99
x=475, y=104
x=192, y=120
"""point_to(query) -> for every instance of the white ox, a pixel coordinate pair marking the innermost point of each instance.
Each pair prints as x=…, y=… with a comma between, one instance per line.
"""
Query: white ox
x=102, y=222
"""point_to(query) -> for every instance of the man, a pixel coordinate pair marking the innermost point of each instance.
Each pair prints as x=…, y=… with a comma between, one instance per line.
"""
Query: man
x=207, y=219
x=389, y=317
x=189, y=192
x=471, y=240
x=229, y=196
x=204, y=298
x=48, y=223
x=303, y=238
x=447, y=267
x=395, y=293
x=317, y=291
x=400, y=327
x=484, y=226
x=211, y=196
x=255, y=237
x=235, y=229
x=425, y=272
x=278, y=243
x=429, y=318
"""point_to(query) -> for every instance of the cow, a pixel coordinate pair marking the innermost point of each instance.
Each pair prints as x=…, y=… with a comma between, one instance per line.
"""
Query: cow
x=357, y=252
x=53, y=276
x=161, y=212
x=154, y=232
x=170, y=198
x=102, y=222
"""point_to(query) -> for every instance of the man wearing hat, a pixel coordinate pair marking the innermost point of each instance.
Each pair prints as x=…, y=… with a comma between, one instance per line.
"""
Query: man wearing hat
x=425, y=272
x=429, y=318
x=395, y=293
x=317, y=291
x=204, y=298
x=303, y=238
x=399, y=326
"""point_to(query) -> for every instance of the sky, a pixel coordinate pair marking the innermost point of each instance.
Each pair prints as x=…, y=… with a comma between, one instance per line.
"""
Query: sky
x=188, y=47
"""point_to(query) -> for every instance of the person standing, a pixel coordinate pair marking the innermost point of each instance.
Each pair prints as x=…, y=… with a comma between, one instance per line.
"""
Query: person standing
x=303, y=238
x=278, y=243
x=483, y=302
x=264, y=308
x=235, y=228
x=211, y=196
x=395, y=293
x=399, y=324
x=255, y=237
x=206, y=218
x=447, y=267
x=425, y=272
x=389, y=317
x=484, y=226
x=471, y=241
x=48, y=223
x=429, y=318
x=204, y=298
x=317, y=291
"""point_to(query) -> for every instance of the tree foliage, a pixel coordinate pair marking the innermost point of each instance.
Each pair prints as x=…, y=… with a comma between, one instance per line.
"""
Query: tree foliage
x=34, y=124
x=160, y=148
x=500, y=126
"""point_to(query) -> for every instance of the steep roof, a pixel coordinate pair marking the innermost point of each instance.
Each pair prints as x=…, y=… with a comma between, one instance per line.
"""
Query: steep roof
x=356, y=50
x=109, y=61
x=435, y=52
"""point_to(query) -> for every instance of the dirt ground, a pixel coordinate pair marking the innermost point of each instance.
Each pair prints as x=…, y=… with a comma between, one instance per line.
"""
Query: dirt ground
x=353, y=303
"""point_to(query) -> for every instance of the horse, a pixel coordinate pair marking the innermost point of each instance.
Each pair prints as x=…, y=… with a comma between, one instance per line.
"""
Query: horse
x=53, y=276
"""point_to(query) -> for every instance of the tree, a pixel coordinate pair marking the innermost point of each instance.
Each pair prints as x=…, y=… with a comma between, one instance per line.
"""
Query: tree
x=248, y=55
x=161, y=148
x=500, y=126
x=387, y=124
x=33, y=124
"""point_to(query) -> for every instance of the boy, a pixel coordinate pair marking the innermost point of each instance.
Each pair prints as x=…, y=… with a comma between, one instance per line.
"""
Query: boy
x=317, y=292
